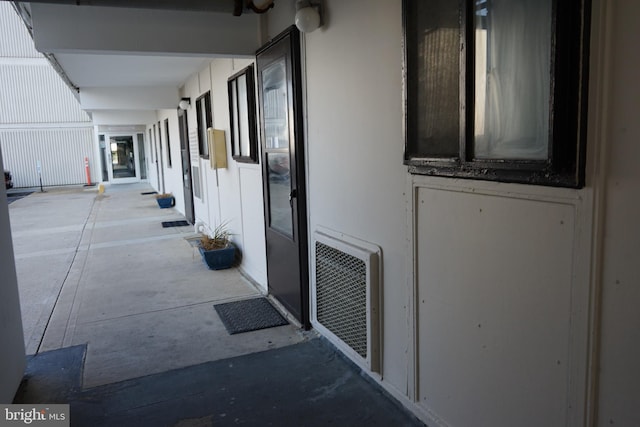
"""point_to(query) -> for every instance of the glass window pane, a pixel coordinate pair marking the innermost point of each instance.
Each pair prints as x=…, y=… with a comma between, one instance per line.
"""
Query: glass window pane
x=279, y=191
x=274, y=87
x=195, y=173
x=203, y=107
x=243, y=120
x=512, y=80
x=435, y=85
x=234, y=111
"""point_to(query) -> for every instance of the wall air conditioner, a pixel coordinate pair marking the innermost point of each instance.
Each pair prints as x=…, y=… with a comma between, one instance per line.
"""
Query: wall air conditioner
x=346, y=290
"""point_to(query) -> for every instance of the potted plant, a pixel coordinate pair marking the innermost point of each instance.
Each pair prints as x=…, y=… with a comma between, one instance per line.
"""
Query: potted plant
x=217, y=250
x=165, y=200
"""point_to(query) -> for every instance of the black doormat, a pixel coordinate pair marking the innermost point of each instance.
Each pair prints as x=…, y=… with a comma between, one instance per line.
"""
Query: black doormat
x=146, y=193
x=249, y=315
x=167, y=224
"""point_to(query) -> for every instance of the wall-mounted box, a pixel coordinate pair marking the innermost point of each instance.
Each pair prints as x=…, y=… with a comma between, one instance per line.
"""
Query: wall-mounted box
x=217, y=148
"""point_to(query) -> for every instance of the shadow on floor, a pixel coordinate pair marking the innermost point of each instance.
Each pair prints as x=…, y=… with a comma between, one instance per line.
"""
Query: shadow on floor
x=13, y=196
x=307, y=384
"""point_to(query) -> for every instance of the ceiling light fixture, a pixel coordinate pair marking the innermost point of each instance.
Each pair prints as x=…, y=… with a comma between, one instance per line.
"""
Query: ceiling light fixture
x=184, y=103
x=308, y=15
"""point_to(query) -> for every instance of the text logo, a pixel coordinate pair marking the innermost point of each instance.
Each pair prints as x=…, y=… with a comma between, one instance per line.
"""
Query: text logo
x=34, y=415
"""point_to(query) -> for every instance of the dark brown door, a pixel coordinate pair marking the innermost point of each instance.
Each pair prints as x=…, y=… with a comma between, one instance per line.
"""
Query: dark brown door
x=186, y=166
x=278, y=67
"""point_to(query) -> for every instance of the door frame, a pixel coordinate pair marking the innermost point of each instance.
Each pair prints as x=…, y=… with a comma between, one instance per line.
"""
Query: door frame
x=107, y=148
x=296, y=153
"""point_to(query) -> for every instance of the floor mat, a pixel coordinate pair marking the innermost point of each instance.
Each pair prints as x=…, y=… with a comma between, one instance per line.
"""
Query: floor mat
x=146, y=193
x=166, y=224
x=249, y=315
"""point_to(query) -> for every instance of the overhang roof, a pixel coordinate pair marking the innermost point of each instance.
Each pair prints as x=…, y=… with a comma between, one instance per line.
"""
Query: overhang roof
x=138, y=50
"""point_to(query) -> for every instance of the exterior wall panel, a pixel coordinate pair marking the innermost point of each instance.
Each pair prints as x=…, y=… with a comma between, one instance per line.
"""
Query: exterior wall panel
x=356, y=179
x=60, y=151
x=36, y=94
x=499, y=302
x=619, y=370
x=15, y=41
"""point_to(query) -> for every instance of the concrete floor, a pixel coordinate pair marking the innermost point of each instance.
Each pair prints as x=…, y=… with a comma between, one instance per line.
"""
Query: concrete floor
x=100, y=270
x=306, y=384
x=119, y=323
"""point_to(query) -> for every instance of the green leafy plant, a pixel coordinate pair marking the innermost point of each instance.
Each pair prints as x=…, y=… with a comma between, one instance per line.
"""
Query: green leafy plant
x=219, y=238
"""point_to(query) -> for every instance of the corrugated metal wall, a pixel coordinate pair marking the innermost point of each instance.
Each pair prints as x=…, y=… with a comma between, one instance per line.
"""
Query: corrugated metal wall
x=61, y=152
x=40, y=119
x=15, y=41
x=36, y=94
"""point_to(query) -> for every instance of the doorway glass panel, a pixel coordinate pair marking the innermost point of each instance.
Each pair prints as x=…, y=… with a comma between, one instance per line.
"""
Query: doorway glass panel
x=123, y=161
x=279, y=193
x=276, y=123
x=276, y=132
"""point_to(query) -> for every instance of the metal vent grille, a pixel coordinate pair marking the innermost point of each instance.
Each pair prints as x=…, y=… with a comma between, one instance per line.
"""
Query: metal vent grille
x=341, y=296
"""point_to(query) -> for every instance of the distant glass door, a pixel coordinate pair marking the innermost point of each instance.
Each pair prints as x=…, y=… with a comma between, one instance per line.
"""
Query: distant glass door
x=124, y=162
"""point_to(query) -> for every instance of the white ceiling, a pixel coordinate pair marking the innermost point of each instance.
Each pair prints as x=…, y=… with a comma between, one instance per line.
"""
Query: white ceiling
x=90, y=70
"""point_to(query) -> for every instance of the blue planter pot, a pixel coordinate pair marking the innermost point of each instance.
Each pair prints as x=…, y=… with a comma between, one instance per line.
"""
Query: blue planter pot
x=219, y=259
x=166, y=202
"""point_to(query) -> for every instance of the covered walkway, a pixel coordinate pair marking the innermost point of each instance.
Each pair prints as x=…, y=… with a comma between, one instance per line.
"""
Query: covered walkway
x=119, y=322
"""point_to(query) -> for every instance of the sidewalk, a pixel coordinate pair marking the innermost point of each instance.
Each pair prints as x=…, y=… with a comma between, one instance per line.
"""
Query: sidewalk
x=100, y=270
x=119, y=321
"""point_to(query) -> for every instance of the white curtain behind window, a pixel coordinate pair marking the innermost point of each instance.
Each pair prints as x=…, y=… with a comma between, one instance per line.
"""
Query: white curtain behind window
x=513, y=51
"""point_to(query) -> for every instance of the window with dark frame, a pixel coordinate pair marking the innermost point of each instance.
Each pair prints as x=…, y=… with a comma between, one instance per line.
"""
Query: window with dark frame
x=496, y=89
x=166, y=136
x=242, y=115
x=205, y=121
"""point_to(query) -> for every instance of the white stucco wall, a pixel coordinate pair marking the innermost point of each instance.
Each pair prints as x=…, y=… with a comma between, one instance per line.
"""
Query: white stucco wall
x=233, y=194
x=490, y=290
x=240, y=184
x=486, y=286
x=619, y=379
x=354, y=147
x=280, y=18
x=152, y=174
x=173, y=173
x=12, y=356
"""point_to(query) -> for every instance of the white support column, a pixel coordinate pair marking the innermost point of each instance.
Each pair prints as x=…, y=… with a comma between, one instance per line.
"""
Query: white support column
x=12, y=356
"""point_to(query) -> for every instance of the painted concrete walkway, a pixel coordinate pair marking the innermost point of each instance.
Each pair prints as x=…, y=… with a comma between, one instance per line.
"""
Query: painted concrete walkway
x=100, y=270
x=119, y=322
